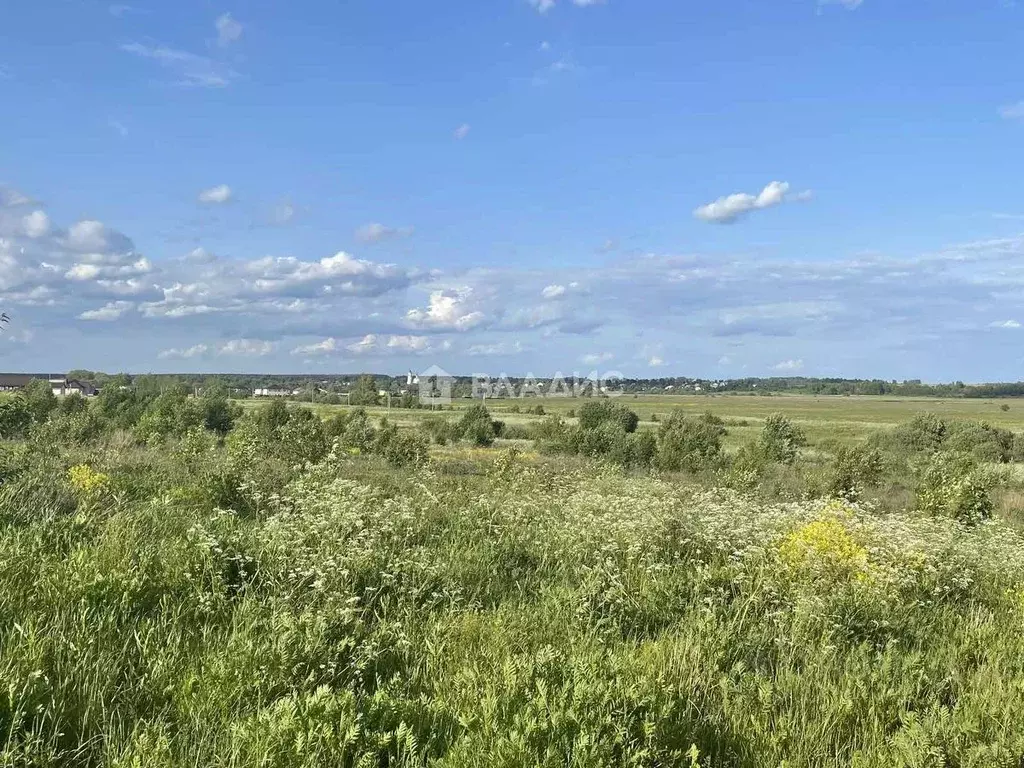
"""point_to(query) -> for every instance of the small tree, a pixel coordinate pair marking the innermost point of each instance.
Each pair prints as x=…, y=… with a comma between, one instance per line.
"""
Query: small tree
x=690, y=443
x=40, y=399
x=780, y=439
x=365, y=392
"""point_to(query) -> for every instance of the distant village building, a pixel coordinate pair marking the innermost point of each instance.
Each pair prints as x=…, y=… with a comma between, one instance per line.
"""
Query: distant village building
x=274, y=392
x=61, y=386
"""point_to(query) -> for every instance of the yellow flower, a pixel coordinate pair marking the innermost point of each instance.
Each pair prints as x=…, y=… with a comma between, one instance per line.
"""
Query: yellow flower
x=87, y=482
x=826, y=545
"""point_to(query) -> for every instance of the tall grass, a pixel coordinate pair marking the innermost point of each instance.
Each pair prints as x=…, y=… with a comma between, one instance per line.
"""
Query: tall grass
x=524, y=616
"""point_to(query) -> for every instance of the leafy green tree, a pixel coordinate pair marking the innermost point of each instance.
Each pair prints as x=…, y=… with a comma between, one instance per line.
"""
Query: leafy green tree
x=780, y=439
x=15, y=417
x=476, y=425
x=365, y=392
x=219, y=414
x=690, y=443
x=39, y=397
x=597, y=412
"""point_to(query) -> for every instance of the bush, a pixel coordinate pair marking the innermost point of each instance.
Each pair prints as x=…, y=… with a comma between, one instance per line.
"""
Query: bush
x=851, y=470
x=398, y=448
x=597, y=412
x=15, y=417
x=953, y=486
x=476, y=426
x=780, y=439
x=690, y=443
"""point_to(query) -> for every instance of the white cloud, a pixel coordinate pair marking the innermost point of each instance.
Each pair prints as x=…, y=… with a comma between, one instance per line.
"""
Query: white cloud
x=184, y=354
x=1013, y=111
x=199, y=256
x=117, y=125
x=725, y=360
x=375, y=232
x=543, y=6
x=447, y=310
x=91, y=236
x=111, y=311
x=374, y=344
x=462, y=132
x=597, y=357
x=499, y=349
x=12, y=198
x=553, y=291
x=283, y=214
x=190, y=69
x=850, y=5
x=36, y=224
x=228, y=30
x=246, y=348
x=318, y=349
x=655, y=362
x=726, y=210
x=789, y=366
x=1010, y=324
x=217, y=195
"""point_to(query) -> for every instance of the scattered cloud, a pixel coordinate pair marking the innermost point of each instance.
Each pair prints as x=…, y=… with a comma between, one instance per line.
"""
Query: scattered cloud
x=597, y=358
x=448, y=310
x=1009, y=324
x=283, y=214
x=120, y=128
x=726, y=210
x=189, y=69
x=543, y=6
x=317, y=349
x=120, y=10
x=217, y=195
x=375, y=232
x=499, y=349
x=246, y=348
x=1012, y=111
x=113, y=310
x=850, y=5
x=187, y=353
x=37, y=224
x=789, y=366
x=462, y=132
x=655, y=362
x=553, y=291
x=229, y=31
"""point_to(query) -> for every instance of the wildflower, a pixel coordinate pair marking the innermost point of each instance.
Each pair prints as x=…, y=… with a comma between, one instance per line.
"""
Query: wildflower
x=87, y=483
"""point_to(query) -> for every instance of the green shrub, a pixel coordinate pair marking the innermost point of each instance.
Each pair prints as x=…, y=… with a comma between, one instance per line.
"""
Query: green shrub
x=400, y=448
x=780, y=439
x=690, y=443
x=597, y=412
x=851, y=470
x=476, y=426
x=953, y=486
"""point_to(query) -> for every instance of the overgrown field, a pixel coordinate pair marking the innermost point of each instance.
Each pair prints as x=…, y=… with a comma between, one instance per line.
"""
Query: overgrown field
x=184, y=585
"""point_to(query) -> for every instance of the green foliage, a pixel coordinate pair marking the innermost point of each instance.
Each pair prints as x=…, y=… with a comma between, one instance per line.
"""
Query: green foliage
x=852, y=469
x=39, y=398
x=15, y=417
x=780, y=439
x=690, y=443
x=594, y=413
x=399, y=448
x=171, y=414
x=476, y=426
x=365, y=392
x=952, y=486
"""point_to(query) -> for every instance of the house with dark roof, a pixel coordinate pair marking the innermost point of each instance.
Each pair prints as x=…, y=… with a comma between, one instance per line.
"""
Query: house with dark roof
x=60, y=385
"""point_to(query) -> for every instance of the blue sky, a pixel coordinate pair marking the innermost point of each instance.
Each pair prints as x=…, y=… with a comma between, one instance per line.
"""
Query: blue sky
x=655, y=187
